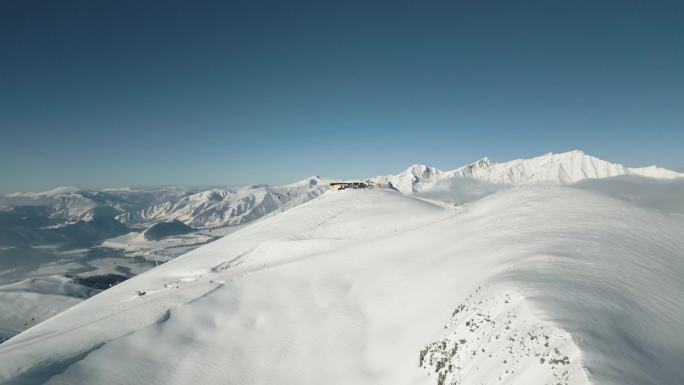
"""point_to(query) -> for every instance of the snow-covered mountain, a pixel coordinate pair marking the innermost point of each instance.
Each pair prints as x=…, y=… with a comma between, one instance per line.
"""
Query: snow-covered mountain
x=227, y=207
x=550, y=169
x=72, y=204
x=520, y=284
x=144, y=207
x=218, y=207
x=530, y=285
x=162, y=230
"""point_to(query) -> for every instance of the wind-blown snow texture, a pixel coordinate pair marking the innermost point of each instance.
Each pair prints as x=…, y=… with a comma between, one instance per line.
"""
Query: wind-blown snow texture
x=522, y=283
x=353, y=286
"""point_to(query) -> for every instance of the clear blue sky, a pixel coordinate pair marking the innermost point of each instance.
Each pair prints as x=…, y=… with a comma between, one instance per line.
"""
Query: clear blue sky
x=111, y=93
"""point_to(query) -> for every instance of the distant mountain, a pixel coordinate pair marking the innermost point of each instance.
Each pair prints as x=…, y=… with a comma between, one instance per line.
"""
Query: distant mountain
x=166, y=229
x=21, y=226
x=25, y=226
x=550, y=169
x=217, y=207
x=72, y=204
x=91, y=232
x=71, y=215
x=227, y=207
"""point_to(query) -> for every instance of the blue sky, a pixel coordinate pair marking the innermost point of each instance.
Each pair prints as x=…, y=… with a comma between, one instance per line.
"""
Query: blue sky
x=112, y=93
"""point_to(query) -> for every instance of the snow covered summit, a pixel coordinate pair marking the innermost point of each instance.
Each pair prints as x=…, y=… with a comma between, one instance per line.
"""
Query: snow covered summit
x=228, y=206
x=550, y=169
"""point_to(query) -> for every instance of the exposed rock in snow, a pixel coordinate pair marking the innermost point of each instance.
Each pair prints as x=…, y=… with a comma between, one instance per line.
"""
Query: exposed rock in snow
x=498, y=339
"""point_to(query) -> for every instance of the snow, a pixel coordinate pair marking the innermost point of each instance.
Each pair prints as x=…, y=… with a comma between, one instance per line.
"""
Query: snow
x=351, y=287
x=61, y=190
x=28, y=302
x=227, y=207
x=497, y=339
x=658, y=194
x=550, y=169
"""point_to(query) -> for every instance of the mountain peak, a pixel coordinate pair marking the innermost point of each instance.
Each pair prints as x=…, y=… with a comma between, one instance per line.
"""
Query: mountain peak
x=417, y=166
x=572, y=154
x=555, y=169
x=484, y=162
x=61, y=190
x=421, y=170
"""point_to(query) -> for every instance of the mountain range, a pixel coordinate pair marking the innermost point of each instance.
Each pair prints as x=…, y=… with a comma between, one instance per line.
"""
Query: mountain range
x=549, y=169
x=41, y=217
x=551, y=284
x=560, y=269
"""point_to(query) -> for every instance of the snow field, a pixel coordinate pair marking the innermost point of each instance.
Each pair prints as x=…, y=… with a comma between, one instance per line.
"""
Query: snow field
x=352, y=287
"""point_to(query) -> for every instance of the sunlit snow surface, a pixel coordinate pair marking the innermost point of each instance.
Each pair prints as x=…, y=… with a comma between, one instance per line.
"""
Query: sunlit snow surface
x=363, y=287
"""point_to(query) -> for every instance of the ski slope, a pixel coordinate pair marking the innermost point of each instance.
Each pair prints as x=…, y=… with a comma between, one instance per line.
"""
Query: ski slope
x=28, y=302
x=529, y=285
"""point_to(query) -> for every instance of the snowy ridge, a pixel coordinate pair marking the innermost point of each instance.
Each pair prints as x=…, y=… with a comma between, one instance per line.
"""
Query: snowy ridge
x=72, y=204
x=416, y=175
x=227, y=207
x=362, y=287
x=235, y=206
x=57, y=191
x=550, y=169
x=198, y=208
